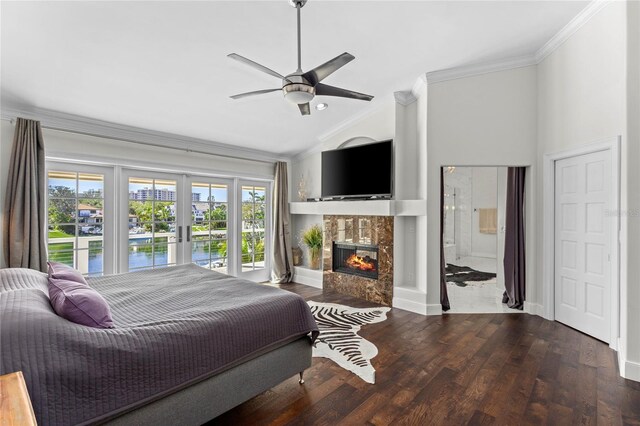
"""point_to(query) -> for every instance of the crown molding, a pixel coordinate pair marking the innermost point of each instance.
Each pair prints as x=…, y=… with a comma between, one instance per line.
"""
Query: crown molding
x=404, y=98
x=568, y=30
x=523, y=61
x=55, y=120
x=419, y=85
x=480, y=68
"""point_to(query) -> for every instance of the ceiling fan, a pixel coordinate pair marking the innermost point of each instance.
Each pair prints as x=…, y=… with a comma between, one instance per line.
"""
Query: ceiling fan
x=301, y=87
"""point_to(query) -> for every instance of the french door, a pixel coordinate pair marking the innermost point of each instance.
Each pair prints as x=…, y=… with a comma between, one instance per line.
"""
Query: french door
x=209, y=235
x=151, y=215
x=170, y=219
x=107, y=220
x=254, y=230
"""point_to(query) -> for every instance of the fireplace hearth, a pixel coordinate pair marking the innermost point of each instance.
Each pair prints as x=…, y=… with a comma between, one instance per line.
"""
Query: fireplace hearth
x=355, y=259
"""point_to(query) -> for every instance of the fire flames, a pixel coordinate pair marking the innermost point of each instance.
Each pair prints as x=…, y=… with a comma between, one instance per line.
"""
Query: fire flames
x=361, y=263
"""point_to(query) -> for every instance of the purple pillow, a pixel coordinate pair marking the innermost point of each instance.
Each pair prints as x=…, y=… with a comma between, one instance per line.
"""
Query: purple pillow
x=76, y=301
x=63, y=272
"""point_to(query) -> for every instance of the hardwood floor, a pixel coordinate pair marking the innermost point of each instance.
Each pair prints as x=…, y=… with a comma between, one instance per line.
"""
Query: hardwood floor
x=506, y=369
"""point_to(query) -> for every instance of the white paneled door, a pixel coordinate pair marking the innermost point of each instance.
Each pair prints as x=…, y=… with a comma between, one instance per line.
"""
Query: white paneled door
x=582, y=243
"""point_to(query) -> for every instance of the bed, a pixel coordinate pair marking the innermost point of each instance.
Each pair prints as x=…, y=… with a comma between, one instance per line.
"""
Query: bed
x=188, y=345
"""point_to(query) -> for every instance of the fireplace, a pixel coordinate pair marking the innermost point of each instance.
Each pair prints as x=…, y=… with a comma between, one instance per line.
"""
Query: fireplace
x=355, y=259
x=368, y=276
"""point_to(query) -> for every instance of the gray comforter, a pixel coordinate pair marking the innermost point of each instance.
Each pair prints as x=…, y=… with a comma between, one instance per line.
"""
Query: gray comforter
x=174, y=327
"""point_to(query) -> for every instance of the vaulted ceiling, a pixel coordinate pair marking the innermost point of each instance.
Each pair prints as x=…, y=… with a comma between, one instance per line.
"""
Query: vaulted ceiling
x=163, y=65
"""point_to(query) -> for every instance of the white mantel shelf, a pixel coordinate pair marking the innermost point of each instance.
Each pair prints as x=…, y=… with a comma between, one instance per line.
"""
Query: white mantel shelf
x=362, y=207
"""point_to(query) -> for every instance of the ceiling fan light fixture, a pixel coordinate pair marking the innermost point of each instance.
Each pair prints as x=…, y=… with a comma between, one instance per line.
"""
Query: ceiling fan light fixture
x=301, y=87
x=298, y=93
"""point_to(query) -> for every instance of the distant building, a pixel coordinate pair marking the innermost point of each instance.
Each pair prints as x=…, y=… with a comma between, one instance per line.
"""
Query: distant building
x=89, y=214
x=153, y=194
x=158, y=195
x=133, y=220
x=197, y=215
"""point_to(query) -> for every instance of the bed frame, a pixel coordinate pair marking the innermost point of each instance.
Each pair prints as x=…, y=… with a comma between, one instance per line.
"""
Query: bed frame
x=211, y=397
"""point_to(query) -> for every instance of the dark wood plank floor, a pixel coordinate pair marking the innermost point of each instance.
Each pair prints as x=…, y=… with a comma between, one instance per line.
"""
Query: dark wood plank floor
x=506, y=369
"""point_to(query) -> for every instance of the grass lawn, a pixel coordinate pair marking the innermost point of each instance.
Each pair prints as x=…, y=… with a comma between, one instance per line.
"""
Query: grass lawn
x=54, y=233
x=61, y=252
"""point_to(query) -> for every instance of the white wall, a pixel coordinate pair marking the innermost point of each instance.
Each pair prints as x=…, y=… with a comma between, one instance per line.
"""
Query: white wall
x=485, y=120
x=409, y=248
x=582, y=98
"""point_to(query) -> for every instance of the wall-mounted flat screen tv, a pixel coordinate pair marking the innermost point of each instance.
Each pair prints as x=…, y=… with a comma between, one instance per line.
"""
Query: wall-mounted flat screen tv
x=363, y=171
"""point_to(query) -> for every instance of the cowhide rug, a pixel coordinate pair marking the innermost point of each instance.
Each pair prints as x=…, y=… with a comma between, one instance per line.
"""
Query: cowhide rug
x=339, y=340
x=463, y=276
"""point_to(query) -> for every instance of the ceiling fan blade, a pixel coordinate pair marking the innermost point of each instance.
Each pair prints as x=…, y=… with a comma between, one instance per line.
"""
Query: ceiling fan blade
x=256, y=92
x=254, y=64
x=304, y=109
x=323, y=71
x=325, y=90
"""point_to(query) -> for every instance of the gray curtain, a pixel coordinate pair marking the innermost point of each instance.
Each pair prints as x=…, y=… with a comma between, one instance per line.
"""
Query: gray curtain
x=514, y=245
x=444, y=296
x=24, y=212
x=282, y=262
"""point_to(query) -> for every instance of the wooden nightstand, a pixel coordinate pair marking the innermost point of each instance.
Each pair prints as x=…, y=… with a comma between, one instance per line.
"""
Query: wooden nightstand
x=15, y=405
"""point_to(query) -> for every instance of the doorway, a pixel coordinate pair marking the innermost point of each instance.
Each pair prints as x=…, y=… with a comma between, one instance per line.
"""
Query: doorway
x=473, y=215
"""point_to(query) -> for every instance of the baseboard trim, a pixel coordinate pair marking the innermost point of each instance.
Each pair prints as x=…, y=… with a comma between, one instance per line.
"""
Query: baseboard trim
x=534, y=309
x=308, y=277
x=631, y=371
x=410, y=300
x=627, y=369
x=434, y=309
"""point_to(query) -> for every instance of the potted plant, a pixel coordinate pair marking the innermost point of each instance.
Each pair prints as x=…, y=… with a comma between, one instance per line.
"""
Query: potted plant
x=312, y=238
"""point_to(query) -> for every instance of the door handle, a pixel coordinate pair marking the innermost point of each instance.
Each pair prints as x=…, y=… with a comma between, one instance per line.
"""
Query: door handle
x=189, y=233
x=179, y=234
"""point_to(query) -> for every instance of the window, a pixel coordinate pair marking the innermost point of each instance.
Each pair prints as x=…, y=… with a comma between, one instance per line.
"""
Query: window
x=162, y=219
x=210, y=225
x=152, y=223
x=253, y=227
x=76, y=217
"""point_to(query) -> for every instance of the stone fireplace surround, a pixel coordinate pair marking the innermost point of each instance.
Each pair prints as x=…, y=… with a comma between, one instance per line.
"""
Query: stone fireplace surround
x=358, y=229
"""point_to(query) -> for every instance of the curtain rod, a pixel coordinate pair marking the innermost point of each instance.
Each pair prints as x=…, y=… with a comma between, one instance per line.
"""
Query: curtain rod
x=187, y=150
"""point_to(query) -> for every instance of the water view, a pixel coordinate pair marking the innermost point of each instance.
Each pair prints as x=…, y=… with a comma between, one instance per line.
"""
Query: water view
x=75, y=223
x=142, y=254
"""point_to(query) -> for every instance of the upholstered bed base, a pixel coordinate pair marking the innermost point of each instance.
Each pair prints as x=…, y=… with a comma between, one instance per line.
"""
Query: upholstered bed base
x=209, y=398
